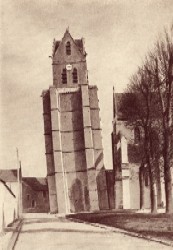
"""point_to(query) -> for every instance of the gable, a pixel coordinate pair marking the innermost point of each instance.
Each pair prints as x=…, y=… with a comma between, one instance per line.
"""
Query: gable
x=77, y=49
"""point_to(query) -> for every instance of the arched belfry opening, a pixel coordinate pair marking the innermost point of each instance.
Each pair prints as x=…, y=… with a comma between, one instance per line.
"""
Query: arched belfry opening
x=68, y=48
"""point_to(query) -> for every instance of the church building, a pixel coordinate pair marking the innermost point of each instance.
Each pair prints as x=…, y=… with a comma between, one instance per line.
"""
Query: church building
x=74, y=153
x=132, y=184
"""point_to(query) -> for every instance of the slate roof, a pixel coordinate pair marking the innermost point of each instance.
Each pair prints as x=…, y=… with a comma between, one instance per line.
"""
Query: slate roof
x=38, y=184
x=118, y=98
x=8, y=175
x=79, y=43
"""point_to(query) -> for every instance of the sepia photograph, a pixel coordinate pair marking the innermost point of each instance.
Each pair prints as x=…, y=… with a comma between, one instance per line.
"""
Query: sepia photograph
x=86, y=125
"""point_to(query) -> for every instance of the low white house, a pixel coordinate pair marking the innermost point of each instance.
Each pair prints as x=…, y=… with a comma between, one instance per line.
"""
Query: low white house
x=9, y=191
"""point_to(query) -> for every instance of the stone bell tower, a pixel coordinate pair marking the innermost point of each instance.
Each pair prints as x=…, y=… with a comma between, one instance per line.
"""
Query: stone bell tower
x=74, y=152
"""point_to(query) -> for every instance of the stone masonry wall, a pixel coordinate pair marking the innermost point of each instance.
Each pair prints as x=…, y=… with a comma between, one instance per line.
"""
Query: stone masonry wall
x=98, y=149
x=60, y=61
x=49, y=152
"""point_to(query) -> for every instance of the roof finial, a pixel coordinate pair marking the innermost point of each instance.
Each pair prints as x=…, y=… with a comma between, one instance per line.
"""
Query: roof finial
x=67, y=30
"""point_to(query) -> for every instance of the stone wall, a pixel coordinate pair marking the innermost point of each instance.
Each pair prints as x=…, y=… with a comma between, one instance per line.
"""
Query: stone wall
x=48, y=126
x=98, y=149
x=74, y=150
x=60, y=60
x=34, y=201
x=73, y=139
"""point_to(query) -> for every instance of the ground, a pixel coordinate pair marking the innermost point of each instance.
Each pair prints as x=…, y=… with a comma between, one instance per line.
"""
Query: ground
x=159, y=226
x=67, y=234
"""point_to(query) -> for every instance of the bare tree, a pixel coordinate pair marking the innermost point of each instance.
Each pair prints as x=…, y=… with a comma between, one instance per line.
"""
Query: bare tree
x=138, y=106
x=160, y=69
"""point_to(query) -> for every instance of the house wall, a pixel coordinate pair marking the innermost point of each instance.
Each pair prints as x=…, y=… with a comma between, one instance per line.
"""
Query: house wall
x=41, y=202
x=8, y=207
x=134, y=186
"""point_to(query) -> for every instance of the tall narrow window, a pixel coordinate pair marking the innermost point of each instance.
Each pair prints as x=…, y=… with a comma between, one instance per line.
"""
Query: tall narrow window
x=33, y=204
x=146, y=179
x=75, y=77
x=137, y=136
x=64, y=76
x=68, y=48
x=44, y=194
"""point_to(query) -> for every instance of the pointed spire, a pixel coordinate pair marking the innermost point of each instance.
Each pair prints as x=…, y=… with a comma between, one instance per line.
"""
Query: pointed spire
x=53, y=46
x=67, y=29
x=114, y=103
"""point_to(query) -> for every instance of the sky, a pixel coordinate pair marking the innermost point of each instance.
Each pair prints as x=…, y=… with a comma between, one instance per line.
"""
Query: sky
x=117, y=33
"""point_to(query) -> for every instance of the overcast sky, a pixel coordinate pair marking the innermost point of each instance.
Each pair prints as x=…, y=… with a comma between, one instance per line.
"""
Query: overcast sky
x=117, y=35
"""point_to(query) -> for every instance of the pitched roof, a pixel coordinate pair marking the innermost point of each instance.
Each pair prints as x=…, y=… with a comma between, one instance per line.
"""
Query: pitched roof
x=117, y=102
x=8, y=175
x=38, y=184
x=79, y=43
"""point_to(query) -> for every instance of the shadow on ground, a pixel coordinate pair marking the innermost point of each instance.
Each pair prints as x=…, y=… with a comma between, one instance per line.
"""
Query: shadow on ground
x=154, y=225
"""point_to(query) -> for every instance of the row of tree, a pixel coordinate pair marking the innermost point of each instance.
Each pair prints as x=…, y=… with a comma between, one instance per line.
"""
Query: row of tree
x=149, y=104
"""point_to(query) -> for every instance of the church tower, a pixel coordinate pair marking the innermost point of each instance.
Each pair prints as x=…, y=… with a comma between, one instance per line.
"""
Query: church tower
x=74, y=152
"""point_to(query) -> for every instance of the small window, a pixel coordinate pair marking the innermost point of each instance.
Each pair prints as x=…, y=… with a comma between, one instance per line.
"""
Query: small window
x=137, y=136
x=33, y=204
x=146, y=179
x=64, y=76
x=44, y=194
x=68, y=48
x=75, y=77
x=28, y=197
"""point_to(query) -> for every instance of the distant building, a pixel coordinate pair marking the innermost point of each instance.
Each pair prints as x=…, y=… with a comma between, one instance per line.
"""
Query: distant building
x=35, y=197
x=131, y=175
x=27, y=194
x=73, y=142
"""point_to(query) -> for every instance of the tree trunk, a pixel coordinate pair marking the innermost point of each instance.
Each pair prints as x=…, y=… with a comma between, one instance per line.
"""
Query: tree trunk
x=168, y=184
x=168, y=192
x=141, y=182
x=153, y=195
x=158, y=182
x=153, y=192
x=167, y=168
x=150, y=164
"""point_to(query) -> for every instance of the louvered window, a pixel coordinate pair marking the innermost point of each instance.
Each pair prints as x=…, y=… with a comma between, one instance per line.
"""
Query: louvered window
x=64, y=76
x=75, y=77
x=68, y=48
